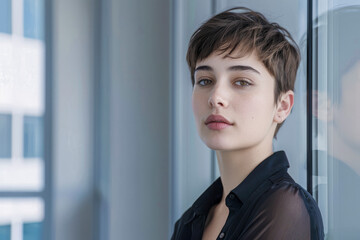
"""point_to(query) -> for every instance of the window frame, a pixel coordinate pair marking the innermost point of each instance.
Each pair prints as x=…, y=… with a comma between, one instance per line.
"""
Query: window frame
x=45, y=194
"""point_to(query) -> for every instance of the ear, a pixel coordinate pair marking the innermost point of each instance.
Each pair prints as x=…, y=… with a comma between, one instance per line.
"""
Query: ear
x=322, y=108
x=284, y=106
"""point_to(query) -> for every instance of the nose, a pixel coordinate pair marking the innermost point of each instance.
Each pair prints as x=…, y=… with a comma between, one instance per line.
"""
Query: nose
x=218, y=98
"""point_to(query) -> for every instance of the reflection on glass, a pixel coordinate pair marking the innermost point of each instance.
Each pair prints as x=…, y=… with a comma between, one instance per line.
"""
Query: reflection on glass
x=33, y=19
x=32, y=231
x=336, y=115
x=5, y=17
x=21, y=95
x=21, y=219
x=5, y=136
x=5, y=231
x=33, y=137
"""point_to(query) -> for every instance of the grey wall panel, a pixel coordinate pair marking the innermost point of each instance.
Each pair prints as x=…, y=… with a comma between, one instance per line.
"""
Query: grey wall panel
x=139, y=119
x=73, y=61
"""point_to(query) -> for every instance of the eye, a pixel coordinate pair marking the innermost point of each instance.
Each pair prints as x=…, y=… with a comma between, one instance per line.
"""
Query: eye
x=242, y=83
x=204, y=82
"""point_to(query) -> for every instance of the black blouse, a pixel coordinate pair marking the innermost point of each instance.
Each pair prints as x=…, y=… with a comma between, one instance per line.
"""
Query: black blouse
x=268, y=204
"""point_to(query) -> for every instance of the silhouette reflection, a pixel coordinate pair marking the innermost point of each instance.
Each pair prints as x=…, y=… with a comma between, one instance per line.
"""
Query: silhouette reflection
x=336, y=112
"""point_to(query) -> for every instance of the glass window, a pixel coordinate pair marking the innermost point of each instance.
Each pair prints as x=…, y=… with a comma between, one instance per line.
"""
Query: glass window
x=5, y=16
x=336, y=114
x=22, y=105
x=33, y=136
x=22, y=85
x=33, y=19
x=5, y=231
x=32, y=231
x=5, y=135
x=24, y=216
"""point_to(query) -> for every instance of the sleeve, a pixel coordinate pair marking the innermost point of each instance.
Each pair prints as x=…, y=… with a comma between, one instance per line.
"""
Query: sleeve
x=176, y=229
x=283, y=215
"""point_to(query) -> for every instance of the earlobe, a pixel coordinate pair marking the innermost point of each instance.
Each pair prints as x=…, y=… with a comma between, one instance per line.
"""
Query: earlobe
x=284, y=106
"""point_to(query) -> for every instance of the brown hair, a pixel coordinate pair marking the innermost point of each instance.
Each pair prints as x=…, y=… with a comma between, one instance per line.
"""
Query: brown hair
x=248, y=31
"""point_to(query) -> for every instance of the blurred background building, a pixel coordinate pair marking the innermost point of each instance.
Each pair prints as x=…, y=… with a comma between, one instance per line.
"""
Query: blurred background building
x=97, y=136
x=22, y=63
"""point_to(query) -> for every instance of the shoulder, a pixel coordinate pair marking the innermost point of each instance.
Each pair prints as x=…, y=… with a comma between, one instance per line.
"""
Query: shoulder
x=289, y=206
x=287, y=199
x=182, y=222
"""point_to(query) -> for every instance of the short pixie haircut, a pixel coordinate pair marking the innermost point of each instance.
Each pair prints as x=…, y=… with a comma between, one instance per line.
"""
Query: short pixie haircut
x=244, y=32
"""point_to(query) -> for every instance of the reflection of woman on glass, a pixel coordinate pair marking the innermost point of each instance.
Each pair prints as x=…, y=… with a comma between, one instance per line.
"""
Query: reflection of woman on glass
x=337, y=111
x=243, y=70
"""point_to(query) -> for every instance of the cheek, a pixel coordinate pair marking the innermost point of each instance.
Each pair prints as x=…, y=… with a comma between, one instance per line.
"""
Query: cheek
x=197, y=104
x=256, y=108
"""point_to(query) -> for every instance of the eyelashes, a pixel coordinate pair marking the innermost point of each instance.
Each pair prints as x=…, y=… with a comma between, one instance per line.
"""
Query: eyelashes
x=239, y=82
x=204, y=82
x=243, y=83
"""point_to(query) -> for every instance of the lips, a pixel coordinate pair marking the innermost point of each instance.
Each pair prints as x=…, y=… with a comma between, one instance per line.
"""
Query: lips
x=217, y=119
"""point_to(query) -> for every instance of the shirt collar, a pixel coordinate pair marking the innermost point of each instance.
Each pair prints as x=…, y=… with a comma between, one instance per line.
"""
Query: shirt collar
x=211, y=196
x=263, y=171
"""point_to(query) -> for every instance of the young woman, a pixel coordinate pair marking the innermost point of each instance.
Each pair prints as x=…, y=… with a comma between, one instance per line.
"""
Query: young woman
x=243, y=70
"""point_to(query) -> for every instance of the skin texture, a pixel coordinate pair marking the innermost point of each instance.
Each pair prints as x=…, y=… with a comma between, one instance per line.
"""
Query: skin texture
x=245, y=98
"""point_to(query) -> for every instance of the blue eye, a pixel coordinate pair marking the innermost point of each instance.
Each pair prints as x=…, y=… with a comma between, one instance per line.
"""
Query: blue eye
x=204, y=82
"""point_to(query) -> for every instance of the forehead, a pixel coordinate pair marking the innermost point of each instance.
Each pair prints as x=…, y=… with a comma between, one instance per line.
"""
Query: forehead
x=222, y=62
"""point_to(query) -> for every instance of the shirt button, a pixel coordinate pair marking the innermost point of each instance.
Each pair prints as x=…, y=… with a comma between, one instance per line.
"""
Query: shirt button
x=232, y=196
x=222, y=235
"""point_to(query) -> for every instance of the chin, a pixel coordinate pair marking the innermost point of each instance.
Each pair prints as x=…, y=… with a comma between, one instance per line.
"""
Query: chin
x=219, y=145
x=228, y=143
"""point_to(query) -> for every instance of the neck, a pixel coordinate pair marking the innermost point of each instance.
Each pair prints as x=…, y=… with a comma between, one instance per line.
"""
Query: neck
x=236, y=165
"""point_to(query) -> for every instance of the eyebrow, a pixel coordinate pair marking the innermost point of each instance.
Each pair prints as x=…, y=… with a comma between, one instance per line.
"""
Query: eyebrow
x=232, y=68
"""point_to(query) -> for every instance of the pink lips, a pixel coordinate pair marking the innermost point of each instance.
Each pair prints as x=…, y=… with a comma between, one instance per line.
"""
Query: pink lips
x=217, y=122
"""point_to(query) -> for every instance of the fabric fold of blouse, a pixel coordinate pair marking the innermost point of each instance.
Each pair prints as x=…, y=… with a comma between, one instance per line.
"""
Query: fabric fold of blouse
x=268, y=204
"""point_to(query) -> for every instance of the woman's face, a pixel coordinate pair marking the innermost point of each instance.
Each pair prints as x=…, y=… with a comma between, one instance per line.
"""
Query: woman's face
x=242, y=91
